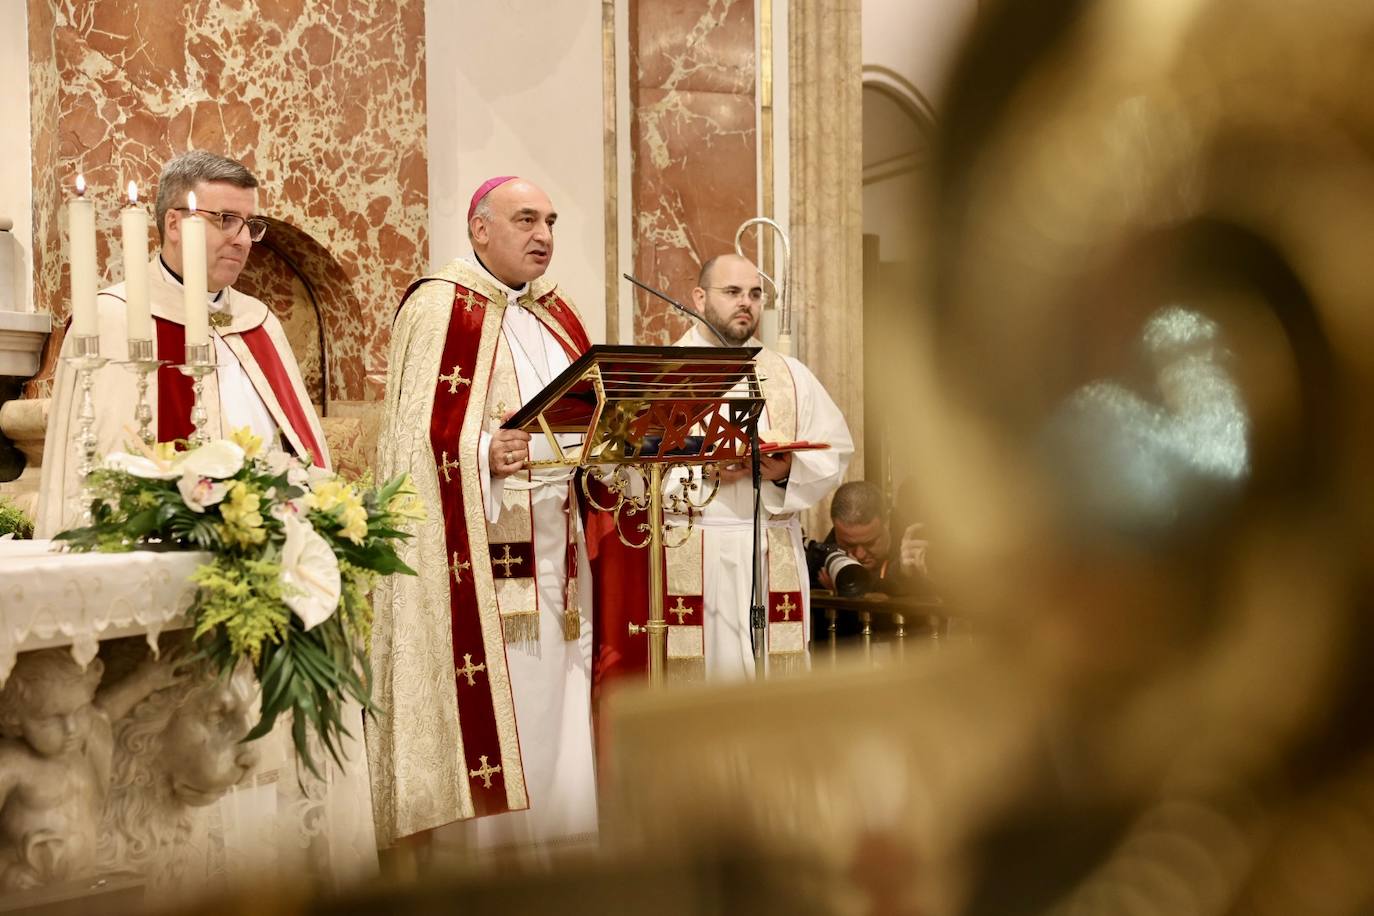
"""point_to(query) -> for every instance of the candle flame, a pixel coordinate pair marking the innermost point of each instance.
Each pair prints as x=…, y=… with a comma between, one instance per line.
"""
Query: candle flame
x=133, y=194
x=191, y=202
x=80, y=185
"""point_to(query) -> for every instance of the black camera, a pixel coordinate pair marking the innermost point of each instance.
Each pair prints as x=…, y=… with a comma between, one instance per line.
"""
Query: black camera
x=850, y=577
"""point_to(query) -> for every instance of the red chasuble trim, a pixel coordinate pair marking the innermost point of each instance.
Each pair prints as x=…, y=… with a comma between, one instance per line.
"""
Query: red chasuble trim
x=265, y=352
x=566, y=319
x=176, y=396
x=620, y=584
x=476, y=705
x=477, y=713
x=175, y=393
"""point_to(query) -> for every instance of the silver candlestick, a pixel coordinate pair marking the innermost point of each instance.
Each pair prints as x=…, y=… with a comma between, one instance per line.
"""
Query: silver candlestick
x=86, y=360
x=198, y=365
x=144, y=362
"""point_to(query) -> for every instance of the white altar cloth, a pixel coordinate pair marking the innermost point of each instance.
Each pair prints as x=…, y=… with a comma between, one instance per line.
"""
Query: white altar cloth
x=48, y=598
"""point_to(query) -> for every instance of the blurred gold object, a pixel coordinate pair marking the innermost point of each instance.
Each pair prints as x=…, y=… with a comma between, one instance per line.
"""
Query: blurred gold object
x=1144, y=390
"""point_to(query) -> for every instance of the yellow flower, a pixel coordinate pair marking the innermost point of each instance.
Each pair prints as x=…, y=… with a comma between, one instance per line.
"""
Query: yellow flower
x=354, y=523
x=327, y=494
x=243, y=437
x=405, y=503
x=165, y=452
x=242, y=514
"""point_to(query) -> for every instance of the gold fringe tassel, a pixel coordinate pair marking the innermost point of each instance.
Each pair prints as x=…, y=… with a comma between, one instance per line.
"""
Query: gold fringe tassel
x=687, y=669
x=572, y=624
x=520, y=627
x=782, y=664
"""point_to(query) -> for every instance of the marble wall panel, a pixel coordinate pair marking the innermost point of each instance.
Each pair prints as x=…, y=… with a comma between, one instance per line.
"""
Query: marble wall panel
x=694, y=144
x=323, y=299
x=323, y=99
x=49, y=261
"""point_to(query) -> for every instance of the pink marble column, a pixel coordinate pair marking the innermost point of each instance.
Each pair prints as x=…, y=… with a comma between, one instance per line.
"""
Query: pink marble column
x=694, y=143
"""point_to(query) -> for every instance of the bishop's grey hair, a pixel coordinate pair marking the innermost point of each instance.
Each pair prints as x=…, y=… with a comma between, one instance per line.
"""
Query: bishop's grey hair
x=482, y=210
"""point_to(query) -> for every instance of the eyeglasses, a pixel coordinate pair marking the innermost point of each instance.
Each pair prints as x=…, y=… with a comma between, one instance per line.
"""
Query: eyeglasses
x=756, y=295
x=231, y=223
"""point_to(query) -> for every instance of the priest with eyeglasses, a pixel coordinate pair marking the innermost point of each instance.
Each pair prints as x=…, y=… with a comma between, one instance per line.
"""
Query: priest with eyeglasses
x=256, y=384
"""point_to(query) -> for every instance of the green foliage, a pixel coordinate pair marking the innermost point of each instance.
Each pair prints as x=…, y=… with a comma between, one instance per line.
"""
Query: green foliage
x=14, y=521
x=240, y=610
x=240, y=602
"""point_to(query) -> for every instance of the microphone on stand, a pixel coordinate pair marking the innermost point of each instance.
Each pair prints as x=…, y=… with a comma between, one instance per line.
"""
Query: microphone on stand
x=679, y=306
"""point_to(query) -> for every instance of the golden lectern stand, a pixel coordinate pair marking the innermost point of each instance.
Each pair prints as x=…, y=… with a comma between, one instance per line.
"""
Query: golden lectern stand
x=641, y=411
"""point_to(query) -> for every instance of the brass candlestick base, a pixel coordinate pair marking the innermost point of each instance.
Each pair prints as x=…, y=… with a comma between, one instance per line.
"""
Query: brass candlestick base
x=144, y=362
x=86, y=360
x=198, y=365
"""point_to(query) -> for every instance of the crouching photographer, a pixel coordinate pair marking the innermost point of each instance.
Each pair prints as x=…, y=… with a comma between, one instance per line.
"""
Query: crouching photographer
x=856, y=557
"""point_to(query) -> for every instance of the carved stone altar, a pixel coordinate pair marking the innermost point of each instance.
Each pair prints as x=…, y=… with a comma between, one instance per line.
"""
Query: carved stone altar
x=117, y=757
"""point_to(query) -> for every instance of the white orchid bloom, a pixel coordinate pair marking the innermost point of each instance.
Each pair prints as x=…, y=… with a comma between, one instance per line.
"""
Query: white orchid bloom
x=278, y=462
x=289, y=507
x=139, y=466
x=198, y=492
x=311, y=572
x=318, y=475
x=216, y=460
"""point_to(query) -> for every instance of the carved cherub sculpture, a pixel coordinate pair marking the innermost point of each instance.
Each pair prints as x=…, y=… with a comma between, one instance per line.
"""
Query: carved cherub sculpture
x=56, y=745
x=175, y=751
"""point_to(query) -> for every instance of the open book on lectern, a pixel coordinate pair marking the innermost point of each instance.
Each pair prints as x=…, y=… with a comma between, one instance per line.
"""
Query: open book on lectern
x=634, y=404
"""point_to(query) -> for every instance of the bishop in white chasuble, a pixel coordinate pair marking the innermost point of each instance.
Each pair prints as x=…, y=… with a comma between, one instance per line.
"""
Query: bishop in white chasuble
x=482, y=661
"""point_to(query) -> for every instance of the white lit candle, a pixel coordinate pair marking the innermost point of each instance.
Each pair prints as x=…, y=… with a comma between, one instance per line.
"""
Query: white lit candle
x=134, y=222
x=81, y=239
x=193, y=276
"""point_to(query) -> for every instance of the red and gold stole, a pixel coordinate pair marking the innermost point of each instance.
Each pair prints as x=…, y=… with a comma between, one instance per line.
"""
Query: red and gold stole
x=685, y=576
x=462, y=391
x=511, y=536
x=175, y=394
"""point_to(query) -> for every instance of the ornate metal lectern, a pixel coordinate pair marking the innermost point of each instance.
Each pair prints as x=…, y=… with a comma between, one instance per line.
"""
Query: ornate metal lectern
x=641, y=411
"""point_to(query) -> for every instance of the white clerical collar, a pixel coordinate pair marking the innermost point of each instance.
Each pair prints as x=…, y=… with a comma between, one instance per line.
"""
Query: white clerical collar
x=171, y=277
x=512, y=295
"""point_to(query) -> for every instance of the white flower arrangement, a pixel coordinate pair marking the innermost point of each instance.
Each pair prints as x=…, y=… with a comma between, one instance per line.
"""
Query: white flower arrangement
x=295, y=548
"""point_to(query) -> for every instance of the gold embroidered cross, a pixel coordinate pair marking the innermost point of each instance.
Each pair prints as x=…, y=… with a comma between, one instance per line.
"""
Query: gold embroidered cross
x=457, y=568
x=470, y=300
x=681, y=610
x=506, y=561
x=499, y=413
x=454, y=379
x=445, y=465
x=485, y=771
x=469, y=669
x=787, y=607
x=221, y=319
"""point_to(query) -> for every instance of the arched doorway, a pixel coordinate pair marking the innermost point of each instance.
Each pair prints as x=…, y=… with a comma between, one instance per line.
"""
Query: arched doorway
x=897, y=126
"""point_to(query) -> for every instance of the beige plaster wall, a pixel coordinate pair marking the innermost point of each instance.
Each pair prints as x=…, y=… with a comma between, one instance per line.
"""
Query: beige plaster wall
x=515, y=88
